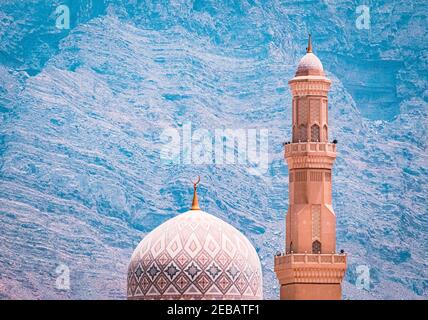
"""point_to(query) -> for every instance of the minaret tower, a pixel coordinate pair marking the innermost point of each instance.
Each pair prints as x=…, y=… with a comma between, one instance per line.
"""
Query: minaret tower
x=310, y=267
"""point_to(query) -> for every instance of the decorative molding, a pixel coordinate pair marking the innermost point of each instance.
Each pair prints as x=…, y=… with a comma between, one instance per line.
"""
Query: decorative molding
x=310, y=162
x=310, y=268
x=306, y=86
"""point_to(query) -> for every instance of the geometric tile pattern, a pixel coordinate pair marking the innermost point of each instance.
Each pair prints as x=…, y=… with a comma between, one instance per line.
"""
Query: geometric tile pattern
x=315, y=133
x=303, y=134
x=315, y=106
x=302, y=109
x=195, y=256
x=316, y=221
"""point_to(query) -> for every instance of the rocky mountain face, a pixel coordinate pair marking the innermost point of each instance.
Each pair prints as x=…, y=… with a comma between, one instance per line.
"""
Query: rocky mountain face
x=84, y=112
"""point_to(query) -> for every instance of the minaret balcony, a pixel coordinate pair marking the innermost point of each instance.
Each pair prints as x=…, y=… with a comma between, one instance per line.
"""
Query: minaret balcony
x=310, y=268
x=310, y=147
x=310, y=154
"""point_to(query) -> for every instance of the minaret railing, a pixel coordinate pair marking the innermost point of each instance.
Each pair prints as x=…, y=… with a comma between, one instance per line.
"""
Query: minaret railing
x=308, y=258
x=310, y=147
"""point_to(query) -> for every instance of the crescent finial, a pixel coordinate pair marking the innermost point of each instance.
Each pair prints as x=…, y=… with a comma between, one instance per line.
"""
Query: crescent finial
x=197, y=182
x=195, y=202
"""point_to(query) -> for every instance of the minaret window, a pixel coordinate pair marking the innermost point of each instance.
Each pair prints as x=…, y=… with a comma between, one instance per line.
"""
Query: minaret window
x=316, y=247
x=303, y=135
x=315, y=133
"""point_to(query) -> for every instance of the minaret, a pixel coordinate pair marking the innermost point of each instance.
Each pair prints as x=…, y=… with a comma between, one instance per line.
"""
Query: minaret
x=310, y=267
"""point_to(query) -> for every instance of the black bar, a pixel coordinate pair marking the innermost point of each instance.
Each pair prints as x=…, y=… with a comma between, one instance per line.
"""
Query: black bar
x=172, y=310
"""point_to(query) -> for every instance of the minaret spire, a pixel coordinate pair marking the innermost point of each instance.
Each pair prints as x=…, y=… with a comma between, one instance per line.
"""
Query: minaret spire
x=309, y=48
x=195, y=202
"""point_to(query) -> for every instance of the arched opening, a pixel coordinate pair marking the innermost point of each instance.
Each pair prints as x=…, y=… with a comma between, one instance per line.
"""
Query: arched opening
x=303, y=135
x=325, y=133
x=295, y=139
x=315, y=133
x=316, y=247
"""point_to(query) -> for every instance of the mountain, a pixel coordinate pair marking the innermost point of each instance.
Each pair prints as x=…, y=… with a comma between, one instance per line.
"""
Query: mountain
x=84, y=112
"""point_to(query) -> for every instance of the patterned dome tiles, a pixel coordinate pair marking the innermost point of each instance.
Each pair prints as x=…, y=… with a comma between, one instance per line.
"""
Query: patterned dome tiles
x=197, y=257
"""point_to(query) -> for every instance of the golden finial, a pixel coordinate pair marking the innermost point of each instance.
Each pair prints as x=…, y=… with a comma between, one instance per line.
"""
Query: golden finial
x=195, y=203
x=309, y=48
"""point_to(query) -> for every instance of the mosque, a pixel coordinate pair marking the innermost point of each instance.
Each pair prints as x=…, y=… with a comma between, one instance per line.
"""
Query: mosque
x=196, y=255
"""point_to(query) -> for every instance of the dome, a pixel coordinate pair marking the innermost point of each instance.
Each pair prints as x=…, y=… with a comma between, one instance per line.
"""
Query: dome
x=195, y=255
x=310, y=65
